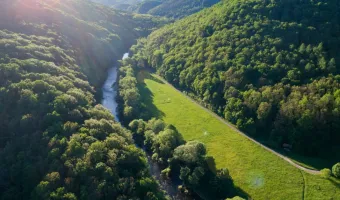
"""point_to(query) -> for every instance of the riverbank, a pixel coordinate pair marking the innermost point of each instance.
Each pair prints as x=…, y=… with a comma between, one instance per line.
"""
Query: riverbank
x=109, y=101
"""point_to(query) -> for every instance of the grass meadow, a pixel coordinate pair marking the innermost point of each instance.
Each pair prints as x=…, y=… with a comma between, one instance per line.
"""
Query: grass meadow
x=258, y=172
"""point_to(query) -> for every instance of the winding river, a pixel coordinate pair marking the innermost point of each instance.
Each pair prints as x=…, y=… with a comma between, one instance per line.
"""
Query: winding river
x=109, y=91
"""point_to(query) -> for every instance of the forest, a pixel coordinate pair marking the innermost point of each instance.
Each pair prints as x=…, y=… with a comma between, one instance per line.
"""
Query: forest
x=118, y=4
x=55, y=141
x=269, y=67
x=171, y=8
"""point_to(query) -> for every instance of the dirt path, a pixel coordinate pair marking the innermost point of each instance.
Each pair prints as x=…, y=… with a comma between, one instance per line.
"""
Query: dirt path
x=310, y=171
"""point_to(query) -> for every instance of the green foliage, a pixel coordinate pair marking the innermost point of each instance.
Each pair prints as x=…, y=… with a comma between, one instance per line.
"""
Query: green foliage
x=145, y=6
x=171, y=8
x=336, y=170
x=269, y=67
x=90, y=39
x=235, y=198
x=187, y=161
x=256, y=171
x=128, y=97
x=158, y=138
x=326, y=173
x=55, y=143
x=119, y=4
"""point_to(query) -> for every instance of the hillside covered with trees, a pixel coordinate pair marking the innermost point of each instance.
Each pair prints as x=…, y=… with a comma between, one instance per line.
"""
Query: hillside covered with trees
x=269, y=67
x=118, y=4
x=55, y=142
x=166, y=8
x=171, y=8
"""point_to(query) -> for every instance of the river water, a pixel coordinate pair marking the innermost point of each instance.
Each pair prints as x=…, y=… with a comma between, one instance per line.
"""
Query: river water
x=109, y=90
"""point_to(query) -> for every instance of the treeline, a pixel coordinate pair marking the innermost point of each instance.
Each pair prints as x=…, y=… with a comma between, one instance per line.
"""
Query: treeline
x=184, y=160
x=97, y=35
x=118, y=4
x=270, y=67
x=55, y=142
x=174, y=9
x=128, y=98
x=179, y=159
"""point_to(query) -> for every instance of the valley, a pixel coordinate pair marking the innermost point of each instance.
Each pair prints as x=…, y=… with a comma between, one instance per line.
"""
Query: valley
x=262, y=174
x=230, y=99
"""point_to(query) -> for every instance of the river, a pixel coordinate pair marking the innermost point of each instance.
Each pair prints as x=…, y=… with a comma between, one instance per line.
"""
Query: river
x=109, y=91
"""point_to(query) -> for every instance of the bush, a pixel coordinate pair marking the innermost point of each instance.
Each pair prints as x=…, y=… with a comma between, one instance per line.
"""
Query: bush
x=326, y=173
x=336, y=170
x=166, y=172
x=236, y=198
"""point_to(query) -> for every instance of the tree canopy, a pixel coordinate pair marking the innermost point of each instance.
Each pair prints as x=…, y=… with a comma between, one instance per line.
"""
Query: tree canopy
x=171, y=8
x=187, y=161
x=55, y=142
x=270, y=67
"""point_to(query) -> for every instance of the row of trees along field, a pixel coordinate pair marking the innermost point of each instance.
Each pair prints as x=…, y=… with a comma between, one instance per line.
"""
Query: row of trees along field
x=186, y=161
x=55, y=142
x=269, y=66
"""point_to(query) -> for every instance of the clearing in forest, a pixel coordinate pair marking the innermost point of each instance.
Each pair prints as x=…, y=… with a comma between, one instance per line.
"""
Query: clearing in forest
x=258, y=172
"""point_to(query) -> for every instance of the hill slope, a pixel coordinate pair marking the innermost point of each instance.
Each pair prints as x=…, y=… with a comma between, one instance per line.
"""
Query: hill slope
x=165, y=8
x=171, y=8
x=118, y=4
x=55, y=142
x=270, y=67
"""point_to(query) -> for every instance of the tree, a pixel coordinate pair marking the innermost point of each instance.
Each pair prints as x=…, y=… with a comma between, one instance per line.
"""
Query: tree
x=336, y=170
x=165, y=142
x=263, y=110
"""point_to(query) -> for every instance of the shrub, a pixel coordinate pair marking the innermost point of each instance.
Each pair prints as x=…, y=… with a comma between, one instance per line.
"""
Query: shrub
x=336, y=170
x=236, y=198
x=326, y=173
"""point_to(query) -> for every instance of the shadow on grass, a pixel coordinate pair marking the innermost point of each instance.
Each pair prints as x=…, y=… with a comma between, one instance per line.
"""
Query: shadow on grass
x=233, y=189
x=308, y=162
x=155, y=79
x=315, y=163
x=148, y=109
x=143, y=74
x=241, y=193
x=335, y=182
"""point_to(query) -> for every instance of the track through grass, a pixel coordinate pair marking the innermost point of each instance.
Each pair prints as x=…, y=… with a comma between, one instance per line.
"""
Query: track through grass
x=256, y=171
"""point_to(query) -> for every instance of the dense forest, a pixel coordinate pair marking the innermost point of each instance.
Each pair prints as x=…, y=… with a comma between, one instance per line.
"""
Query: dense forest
x=166, y=8
x=171, y=8
x=55, y=142
x=118, y=4
x=270, y=67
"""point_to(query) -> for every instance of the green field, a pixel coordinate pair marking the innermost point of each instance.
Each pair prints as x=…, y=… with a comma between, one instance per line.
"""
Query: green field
x=258, y=172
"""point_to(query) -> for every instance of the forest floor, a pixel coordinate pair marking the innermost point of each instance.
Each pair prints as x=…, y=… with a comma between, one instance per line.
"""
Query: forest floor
x=259, y=171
